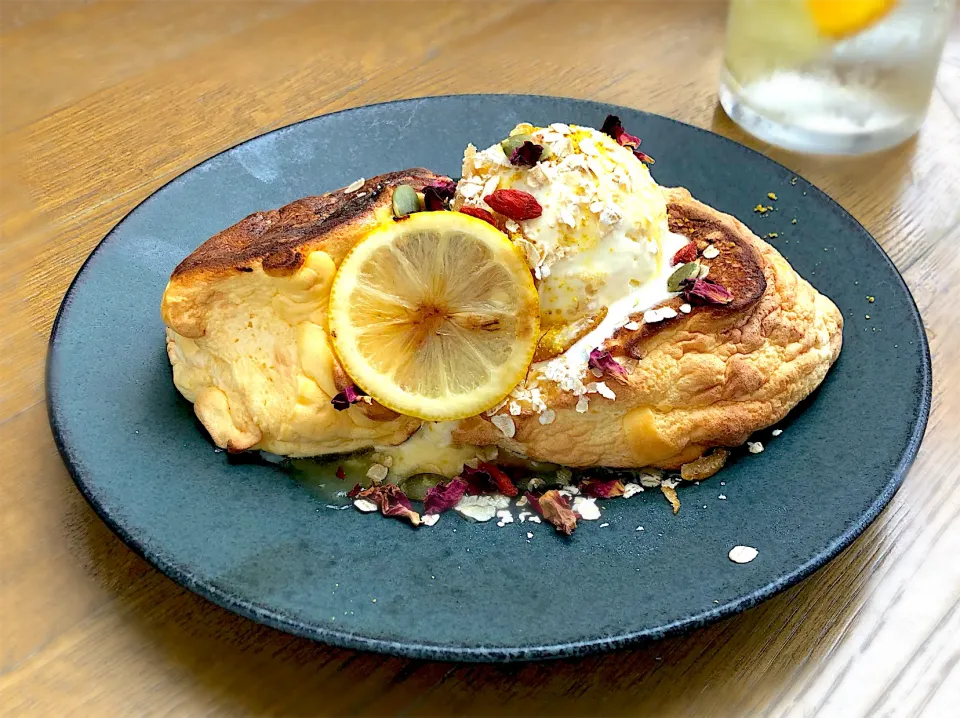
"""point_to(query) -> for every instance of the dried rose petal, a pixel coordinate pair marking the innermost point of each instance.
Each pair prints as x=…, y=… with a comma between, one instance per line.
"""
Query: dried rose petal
x=534, y=502
x=346, y=398
x=644, y=157
x=526, y=155
x=392, y=502
x=432, y=201
x=706, y=291
x=480, y=214
x=355, y=491
x=436, y=195
x=446, y=188
x=478, y=482
x=487, y=479
x=610, y=126
x=441, y=497
x=555, y=509
x=514, y=204
x=600, y=489
x=341, y=474
x=613, y=127
x=687, y=253
x=600, y=359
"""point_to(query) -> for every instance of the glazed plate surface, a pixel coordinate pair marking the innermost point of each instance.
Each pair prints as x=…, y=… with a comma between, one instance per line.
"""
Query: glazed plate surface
x=259, y=543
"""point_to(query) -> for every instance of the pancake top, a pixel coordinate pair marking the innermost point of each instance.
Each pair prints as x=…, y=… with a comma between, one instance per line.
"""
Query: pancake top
x=279, y=240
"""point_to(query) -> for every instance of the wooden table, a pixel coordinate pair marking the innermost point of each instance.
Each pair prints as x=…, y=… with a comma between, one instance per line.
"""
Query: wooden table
x=102, y=102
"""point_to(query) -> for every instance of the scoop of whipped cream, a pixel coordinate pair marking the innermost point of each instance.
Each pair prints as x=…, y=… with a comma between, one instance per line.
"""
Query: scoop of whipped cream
x=600, y=236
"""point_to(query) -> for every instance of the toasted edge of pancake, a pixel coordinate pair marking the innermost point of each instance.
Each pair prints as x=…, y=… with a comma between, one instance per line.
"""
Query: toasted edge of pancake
x=278, y=242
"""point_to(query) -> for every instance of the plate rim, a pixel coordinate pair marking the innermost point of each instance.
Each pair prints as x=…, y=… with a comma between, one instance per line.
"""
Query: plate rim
x=484, y=654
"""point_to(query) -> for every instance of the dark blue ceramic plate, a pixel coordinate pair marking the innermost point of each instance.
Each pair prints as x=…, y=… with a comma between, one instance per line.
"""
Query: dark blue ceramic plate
x=253, y=540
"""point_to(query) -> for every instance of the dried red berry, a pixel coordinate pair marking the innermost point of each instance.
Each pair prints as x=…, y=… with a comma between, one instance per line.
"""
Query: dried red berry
x=441, y=497
x=600, y=359
x=480, y=214
x=600, y=489
x=557, y=511
x=487, y=479
x=687, y=253
x=346, y=398
x=341, y=474
x=504, y=485
x=392, y=502
x=527, y=154
x=514, y=204
x=706, y=291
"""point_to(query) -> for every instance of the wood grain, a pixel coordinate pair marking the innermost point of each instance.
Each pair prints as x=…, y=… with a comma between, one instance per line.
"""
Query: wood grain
x=101, y=102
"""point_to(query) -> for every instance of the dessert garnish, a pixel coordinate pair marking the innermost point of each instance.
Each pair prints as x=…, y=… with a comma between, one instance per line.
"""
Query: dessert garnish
x=438, y=340
x=527, y=154
x=486, y=479
x=555, y=508
x=392, y=502
x=514, y=204
x=705, y=466
x=438, y=194
x=602, y=489
x=706, y=291
x=348, y=397
x=687, y=253
x=442, y=497
x=682, y=275
x=602, y=361
x=405, y=201
x=613, y=127
x=479, y=213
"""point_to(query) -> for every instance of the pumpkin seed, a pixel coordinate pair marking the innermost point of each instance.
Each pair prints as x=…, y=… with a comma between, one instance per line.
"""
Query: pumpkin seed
x=681, y=275
x=417, y=486
x=405, y=201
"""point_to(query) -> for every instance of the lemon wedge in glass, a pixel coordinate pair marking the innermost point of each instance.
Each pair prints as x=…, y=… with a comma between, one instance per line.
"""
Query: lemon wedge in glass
x=839, y=18
x=435, y=316
x=764, y=35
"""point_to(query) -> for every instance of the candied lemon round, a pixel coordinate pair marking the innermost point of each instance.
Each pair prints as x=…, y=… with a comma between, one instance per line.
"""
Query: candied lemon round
x=436, y=316
x=840, y=18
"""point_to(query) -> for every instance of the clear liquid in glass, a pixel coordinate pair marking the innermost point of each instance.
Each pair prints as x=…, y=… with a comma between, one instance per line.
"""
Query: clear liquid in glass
x=786, y=83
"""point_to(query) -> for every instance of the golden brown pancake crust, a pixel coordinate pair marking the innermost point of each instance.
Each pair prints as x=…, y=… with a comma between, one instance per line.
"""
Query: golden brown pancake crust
x=708, y=378
x=279, y=239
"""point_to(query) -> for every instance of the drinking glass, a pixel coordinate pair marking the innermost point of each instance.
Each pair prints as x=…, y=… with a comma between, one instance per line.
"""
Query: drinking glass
x=832, y=76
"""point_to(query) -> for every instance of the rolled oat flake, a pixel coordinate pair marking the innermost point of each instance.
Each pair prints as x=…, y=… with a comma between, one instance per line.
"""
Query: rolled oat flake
x=742, y=554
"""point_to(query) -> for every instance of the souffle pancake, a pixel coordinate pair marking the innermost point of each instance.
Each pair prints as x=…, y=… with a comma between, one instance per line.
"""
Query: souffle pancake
x=593, y=317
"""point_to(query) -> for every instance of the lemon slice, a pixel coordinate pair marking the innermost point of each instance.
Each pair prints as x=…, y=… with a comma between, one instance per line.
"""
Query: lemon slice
x=841, y=18
x=435, y=317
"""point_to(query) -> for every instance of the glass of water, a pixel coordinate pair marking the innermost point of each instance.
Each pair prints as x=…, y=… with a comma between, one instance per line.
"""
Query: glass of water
x=832, y=76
